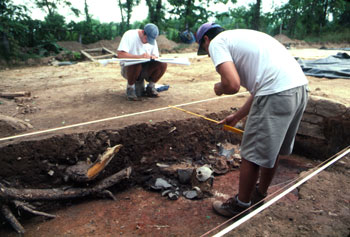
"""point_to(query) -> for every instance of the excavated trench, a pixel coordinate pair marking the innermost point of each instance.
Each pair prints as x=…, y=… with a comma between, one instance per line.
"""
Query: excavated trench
x=42, y=163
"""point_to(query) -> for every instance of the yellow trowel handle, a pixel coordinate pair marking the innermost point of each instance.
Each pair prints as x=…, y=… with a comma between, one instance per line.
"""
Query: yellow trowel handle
x=226, y=127
x=233, y=129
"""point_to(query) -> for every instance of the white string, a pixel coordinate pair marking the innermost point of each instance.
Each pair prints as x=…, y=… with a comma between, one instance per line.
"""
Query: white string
x=273, y=200
x=112, y=118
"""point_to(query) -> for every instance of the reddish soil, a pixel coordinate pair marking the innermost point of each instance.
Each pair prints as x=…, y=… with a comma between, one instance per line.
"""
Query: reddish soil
x=68, y=95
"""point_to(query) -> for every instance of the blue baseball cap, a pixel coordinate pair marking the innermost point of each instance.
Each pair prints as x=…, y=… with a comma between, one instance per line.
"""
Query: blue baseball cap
x=201, y=32
x=152, y=32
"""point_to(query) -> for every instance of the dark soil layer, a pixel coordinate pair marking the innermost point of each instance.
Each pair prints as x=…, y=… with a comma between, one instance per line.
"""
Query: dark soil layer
x=27, y=163
x=41, y=163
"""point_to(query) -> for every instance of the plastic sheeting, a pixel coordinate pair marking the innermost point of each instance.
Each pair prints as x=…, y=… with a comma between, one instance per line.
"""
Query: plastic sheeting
x=335, y=66
x=187, y=37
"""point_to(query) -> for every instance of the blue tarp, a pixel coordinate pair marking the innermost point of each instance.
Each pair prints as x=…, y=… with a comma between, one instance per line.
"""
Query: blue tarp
x=335, y=66
x=187, y=37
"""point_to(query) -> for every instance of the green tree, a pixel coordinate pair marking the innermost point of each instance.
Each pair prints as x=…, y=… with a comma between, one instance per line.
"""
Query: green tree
x=127, y=8
x=12, y=30
x=302, y=18
x=189, y=12
x=51, y=6
x=155, y=12
x=256, y=15
x=340, y=12
x=55, y=26
x=239, y=17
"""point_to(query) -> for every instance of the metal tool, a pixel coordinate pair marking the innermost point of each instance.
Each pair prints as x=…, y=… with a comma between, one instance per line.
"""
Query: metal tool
x=226, y=127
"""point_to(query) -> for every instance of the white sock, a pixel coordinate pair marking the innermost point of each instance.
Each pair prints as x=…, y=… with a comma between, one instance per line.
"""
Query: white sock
x=131, y=86
x=151, y=84
x=243, y=204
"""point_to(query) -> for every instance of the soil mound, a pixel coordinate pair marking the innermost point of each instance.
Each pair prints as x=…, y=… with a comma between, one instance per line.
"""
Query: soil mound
x=286, y=41
x=283, y=39
x=163, y=44
x=71, y=45
x=109, y=44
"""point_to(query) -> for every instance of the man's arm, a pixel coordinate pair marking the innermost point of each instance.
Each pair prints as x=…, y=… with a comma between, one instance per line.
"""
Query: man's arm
x=123, y=54
x=233, y=119
x=230, y=81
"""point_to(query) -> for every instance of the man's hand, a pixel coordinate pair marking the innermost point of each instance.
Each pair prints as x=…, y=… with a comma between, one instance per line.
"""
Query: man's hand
x=218, y=89
x=146, y=55
x=231, y=120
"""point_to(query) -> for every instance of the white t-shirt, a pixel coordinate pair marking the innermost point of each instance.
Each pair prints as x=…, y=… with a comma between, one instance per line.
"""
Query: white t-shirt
x=131, y=43
x=264, y=65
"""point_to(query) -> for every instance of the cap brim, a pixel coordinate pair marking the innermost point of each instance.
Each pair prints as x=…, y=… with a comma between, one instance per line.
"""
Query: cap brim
x=201, y=51
x=151, y=40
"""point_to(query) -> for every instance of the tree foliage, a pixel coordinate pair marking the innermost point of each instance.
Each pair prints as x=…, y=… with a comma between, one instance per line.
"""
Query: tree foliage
x=303, y=19
x=12, y=29
x=156, y=12
x=51, y=6
x=127, y=8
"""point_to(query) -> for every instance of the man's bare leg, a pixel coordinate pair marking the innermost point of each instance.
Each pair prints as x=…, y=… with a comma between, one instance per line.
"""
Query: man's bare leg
x=249, y=173
x=266, y=176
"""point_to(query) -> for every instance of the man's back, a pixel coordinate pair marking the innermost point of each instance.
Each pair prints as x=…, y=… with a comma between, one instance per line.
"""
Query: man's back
x=264, y=65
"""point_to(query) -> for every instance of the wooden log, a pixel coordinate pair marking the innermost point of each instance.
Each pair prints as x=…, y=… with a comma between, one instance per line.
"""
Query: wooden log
x=104, y=56
x=12, y=95
x=31, y=209
x=10, y=125
x=5, y=210
x=83, y=172
x=94, y=50
x=110, y=51
x=102, y=161
x=88, y=56
x=62, y=194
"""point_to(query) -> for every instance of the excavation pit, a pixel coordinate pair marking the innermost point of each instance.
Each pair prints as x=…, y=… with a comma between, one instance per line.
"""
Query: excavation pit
x=149, y=149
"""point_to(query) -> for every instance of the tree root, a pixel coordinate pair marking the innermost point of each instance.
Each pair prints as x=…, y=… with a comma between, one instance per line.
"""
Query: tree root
x=7, y=213
x=19, y=197
x=59, y=194
x=31, y=209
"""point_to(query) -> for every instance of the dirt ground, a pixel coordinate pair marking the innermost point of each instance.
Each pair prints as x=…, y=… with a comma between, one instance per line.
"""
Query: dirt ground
x=93, y=96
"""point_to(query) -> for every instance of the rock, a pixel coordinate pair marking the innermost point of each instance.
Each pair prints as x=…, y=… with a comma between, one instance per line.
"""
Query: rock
x=10, y=126
x=324, y=128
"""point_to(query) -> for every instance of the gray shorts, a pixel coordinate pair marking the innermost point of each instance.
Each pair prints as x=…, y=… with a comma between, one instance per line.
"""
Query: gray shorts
x=272, y=124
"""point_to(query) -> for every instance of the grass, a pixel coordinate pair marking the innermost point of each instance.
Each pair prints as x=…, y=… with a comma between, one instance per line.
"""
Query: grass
x=331, y=37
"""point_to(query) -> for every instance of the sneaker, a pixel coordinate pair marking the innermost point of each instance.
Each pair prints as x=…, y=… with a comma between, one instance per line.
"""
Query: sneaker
x=140, y=87
x=151, y=91
x=230, y=208
x=257, y=197
x=130, y=93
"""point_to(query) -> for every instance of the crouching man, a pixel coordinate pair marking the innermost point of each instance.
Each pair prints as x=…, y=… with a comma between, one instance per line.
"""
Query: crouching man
x=138, y=43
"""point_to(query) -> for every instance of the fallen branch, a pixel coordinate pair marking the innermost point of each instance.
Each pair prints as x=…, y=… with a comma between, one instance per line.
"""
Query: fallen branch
x=83, y=172
x=14, y=195
x=31, y=209
x=59, y=194
x=11, y=95
x=10, y=123
x=5, y=210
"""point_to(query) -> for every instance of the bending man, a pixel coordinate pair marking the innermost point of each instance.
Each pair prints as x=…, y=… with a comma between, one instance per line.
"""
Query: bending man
x=278, y=97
